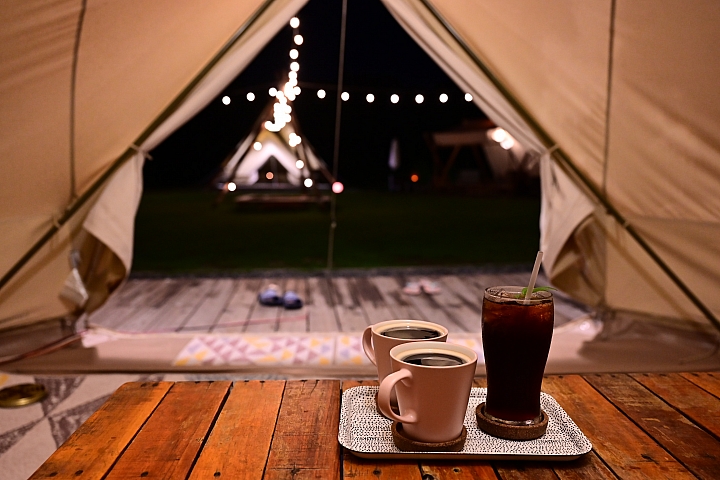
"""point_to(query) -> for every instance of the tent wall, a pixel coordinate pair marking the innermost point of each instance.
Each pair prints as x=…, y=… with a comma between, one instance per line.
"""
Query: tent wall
x=628, y=90
x=129, y=61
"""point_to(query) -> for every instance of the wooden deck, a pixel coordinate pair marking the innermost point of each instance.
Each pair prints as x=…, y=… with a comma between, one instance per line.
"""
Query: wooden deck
x=340, y=304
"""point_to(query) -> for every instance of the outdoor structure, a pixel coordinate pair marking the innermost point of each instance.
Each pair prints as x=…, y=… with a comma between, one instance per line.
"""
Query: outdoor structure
x=618, y=98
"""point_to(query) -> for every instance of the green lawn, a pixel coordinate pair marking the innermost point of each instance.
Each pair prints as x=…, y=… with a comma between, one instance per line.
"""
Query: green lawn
x=181, y=231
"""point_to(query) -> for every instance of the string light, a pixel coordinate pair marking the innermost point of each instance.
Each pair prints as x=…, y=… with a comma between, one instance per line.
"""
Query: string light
x=414, y=178
x=308, y=183
x=272, y=91
x=294, y=54
x=294, y=66
x=250, y=96
x=443, y=98
x=292, y=75
x=370, y=98
x=419, y=98
x=226, y=100
x=257, y=146
x=394, y=98
x=300, y=164
x=231, y=187
x=337, y=187
x=345, y=96
x=468, y=97
x=298, y=39
x=321, y=93
x=269, y=175
x=294, y=22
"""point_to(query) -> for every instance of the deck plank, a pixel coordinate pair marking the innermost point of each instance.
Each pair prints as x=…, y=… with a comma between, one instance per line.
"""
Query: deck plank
x=240, y=440
x=294, y=320
x=160, y=302
x=320, y=306
x=134, y=298
x=398, y=303
x=692, y=446
x=700, y=406
x=305, y=443
x=170, y=441
x=351, y=316
x=92, y=455
x=237, y=311
x=210, y=307
x=371, y=300
x=182, y=305
x=625, y=448
x=708, y=381
x=264, y=318
x=461, y=302
x=431, y=309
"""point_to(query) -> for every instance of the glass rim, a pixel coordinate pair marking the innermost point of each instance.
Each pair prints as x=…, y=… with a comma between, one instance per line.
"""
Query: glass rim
x=493, y=294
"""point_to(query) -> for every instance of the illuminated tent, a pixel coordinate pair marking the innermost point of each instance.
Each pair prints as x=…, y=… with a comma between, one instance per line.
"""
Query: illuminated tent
x=619, y=97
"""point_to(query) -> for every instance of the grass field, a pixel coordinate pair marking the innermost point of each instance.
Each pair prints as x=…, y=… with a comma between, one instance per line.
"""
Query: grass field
x=181, y=232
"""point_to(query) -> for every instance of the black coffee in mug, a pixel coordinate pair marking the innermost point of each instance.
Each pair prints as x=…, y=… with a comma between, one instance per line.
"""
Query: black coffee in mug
x=411, y=333
x=430, y=359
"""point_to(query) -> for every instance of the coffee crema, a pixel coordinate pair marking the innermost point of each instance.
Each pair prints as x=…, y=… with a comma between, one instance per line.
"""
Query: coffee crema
x=430, y=359
x=411, y=333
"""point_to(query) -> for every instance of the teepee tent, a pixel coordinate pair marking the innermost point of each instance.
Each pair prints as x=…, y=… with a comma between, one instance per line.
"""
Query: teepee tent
x=619, y=97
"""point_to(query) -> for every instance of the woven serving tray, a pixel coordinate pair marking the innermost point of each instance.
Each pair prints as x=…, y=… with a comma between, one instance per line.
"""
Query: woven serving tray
x=367, y=434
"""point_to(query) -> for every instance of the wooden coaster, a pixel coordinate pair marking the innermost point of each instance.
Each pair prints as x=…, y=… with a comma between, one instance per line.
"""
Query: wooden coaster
x=408, y=445
x=510, y=432
x=394, y=408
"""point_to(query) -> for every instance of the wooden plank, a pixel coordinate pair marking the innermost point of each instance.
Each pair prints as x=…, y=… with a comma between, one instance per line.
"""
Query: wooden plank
x=460, y=303
x=236, y=313
x=134, y=301
x=626, y=449
x=183, y=305
x=305, y=443
x=144, y=318
x=211, y=306
x=320, y=306
x=239, y=443
x=585, y=467
x=351, y=317
x=525, y=470
x=395, y=299
x=263, y=318
x=371, y=300
x=294, y=320
x=356, y=467
x=94, y=447
x=431, y=310
x=694, y=402
x=693, y=447
x=708, y=381
x=170, y=441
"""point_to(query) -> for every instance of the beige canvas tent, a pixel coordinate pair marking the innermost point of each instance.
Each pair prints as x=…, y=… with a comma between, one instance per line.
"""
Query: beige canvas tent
x=619, y=97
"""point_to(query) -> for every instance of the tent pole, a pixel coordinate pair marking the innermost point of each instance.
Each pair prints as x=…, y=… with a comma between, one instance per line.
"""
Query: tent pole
x=75, y=205
x=565, y=161
x=336, y=146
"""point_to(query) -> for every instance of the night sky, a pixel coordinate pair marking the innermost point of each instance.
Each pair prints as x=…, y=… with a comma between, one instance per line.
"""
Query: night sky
x=380, y=58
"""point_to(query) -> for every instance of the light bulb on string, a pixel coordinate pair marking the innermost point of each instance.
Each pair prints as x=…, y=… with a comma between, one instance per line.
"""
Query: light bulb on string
x=468, y=97
x=443, y=98
x=298, y=39
x=294, y=66
x=257, y=146
x=226, y=100
x=250, y=96
x=321, y=93
x=299, y=164
x=308, y=183
x=345, y=96
x=370, y=98
x=294, y=54
x=272, y=91
x=295, y=22
x=394, y=98
x=231, y=186
x=419, y=98
x=292, y=75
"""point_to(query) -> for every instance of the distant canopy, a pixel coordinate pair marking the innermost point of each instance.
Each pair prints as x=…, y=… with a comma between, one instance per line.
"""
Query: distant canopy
x=619, y=97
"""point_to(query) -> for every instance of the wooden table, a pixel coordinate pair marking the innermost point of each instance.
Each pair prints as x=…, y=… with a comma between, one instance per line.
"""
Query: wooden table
x=641, y=426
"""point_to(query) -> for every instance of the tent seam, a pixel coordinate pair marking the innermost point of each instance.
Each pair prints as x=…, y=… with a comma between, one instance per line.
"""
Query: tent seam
x=73, y=81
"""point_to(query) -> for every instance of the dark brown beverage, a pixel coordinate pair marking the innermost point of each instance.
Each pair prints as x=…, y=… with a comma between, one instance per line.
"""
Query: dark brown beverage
x=411, y=333
x=516, y=340
x=430, y=359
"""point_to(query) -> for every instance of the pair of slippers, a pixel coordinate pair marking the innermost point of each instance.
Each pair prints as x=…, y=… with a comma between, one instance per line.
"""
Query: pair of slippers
x=271, y=297
x=424, y=285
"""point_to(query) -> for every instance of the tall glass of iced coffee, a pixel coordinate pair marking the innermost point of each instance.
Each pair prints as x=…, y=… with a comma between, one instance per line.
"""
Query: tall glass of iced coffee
x=516, y=335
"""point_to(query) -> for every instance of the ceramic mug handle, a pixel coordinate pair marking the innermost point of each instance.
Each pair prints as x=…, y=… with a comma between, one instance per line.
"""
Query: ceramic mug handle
x=383, y=399
x=367, y=345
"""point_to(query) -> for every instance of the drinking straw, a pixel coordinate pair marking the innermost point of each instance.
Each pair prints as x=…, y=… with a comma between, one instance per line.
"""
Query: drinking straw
x=533, y=277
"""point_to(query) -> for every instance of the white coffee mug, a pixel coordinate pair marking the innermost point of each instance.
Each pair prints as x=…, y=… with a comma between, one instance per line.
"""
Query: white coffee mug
x=432, y=397
x=377, y=346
